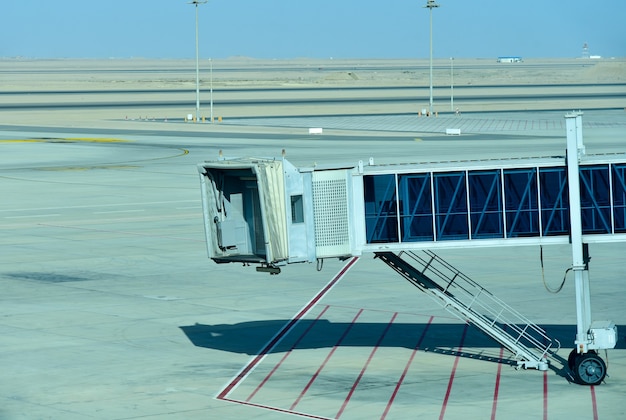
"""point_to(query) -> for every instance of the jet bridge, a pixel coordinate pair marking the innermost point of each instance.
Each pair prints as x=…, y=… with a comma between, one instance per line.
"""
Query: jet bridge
x=269, y=213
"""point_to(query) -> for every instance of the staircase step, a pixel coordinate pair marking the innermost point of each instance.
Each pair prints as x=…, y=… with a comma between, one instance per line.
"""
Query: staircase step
x=471, y=302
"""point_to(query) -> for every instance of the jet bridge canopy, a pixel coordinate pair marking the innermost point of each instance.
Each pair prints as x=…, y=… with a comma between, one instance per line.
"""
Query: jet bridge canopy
x=492, y=203
x=268, y=211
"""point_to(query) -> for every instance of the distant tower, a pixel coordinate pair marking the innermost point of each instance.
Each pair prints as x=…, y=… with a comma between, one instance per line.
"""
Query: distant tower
x=585, y=51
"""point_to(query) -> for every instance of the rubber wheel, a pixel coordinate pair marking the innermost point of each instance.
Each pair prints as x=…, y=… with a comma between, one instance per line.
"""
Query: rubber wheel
x=571, y=359
x=589, y=369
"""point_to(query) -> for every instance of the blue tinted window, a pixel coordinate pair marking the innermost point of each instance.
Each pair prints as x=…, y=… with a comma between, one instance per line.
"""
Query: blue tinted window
x=554, y=201
x=416, y=216
x=381, y=223
x=595, y=199
x=521, y=204
x=485, y=196
x=451, y=205
x=619, y=197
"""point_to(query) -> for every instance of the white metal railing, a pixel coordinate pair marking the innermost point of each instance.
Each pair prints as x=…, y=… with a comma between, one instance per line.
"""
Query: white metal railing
x=470, y=301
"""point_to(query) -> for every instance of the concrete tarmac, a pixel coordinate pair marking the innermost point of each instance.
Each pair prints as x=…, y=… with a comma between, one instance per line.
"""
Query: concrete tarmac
x=111, y=310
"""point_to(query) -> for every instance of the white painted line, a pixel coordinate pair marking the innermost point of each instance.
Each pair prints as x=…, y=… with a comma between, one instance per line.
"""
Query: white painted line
x=31, y=216
x=274, y=341
x=118, y=211
x=99, y=206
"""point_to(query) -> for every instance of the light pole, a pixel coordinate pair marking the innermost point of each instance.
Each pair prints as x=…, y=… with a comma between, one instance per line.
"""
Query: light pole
x=430, y=4
x=211, y=87
x=452, y=84
x=196, y=3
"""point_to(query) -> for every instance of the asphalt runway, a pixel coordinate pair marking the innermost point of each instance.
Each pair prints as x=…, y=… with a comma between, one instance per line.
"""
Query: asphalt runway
x=111, y=310
x=349, y=98
x=89, y=92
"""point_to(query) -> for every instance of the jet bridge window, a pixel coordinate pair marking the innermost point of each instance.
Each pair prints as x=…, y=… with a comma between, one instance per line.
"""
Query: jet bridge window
x=485, y=197
x=595, y=199
x=619, y=197
x=554, y=201
x=521, y=202
x=381, y=224
x=451, y=205
x=297, y=209
x=416, y=214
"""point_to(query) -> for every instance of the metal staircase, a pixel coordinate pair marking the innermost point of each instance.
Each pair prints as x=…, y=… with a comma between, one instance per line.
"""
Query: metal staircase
x=471, y=302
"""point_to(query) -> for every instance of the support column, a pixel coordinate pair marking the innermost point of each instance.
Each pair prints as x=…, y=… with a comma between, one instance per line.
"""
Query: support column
x=575, y=149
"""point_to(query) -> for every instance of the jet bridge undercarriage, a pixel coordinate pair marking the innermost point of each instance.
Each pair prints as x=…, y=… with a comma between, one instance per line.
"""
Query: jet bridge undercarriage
x=269, y=213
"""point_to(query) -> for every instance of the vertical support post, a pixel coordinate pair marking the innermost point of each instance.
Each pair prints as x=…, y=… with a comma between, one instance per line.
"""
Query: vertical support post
x=579, y=135
x=451, y=84
x=197, y=69
x=430, y=101
x=581, y=277
x=196, y=3
x=211, y=87
x=430, y=5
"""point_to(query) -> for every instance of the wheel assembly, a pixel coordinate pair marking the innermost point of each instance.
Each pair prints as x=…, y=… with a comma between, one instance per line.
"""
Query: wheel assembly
x=573, y=355
x=589, y=368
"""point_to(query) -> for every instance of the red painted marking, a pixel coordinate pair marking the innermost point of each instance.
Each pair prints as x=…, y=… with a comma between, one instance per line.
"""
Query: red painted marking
x=369, y=359
x=496, y=390
x=456, y=363
x=593, y=402
x=497, y=387
x=545, y=394
x=245, y=371
x=269, y=375
x=406, y=369
x=330, y=354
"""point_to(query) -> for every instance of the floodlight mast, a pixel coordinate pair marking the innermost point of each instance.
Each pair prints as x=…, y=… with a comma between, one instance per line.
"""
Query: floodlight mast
x=196, y=3
x=451, y=84
x=430, y=4
x=211, y=87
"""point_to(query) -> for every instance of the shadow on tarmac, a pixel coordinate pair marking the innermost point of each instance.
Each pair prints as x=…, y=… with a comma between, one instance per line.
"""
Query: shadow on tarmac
x=441, y=338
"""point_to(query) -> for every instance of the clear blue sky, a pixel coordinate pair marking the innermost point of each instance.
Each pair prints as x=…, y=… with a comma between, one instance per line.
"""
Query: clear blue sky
x=316, y=29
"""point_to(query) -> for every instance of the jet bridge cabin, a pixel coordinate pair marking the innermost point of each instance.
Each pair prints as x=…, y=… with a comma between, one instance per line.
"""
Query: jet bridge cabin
x=268, y=212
